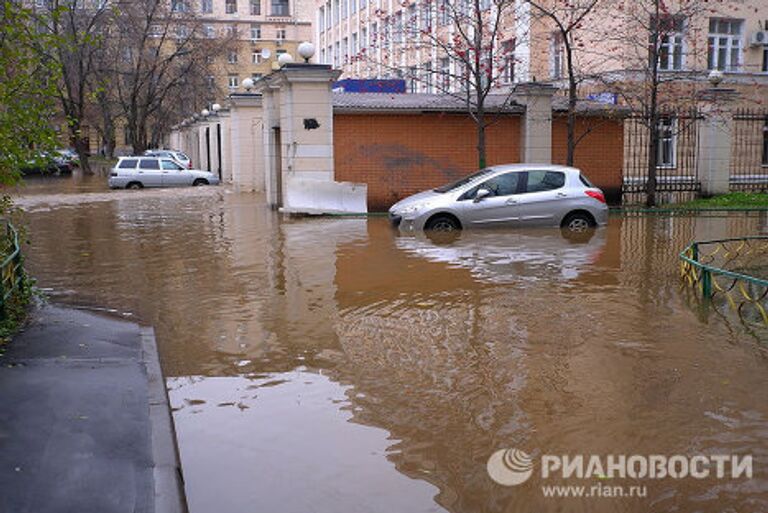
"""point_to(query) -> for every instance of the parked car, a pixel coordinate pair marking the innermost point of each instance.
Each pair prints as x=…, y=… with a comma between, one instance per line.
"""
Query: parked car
x=178, y=156
x=140, y=172
x=69, y=156
x=46, y=164
x=514, y=195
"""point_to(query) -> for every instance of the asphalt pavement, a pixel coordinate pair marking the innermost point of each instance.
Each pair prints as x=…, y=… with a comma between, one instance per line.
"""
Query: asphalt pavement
x=84, y=419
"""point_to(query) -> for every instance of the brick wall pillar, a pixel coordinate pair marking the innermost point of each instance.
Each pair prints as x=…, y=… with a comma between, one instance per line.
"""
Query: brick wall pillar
x=715, y=137
x=536, y=130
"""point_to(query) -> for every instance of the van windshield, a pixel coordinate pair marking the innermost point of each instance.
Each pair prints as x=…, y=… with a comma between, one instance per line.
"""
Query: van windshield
x=455, y=185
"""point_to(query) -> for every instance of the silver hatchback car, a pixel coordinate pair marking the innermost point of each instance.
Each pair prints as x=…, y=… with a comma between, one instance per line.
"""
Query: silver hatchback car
x=140, y=172
x=516, y=195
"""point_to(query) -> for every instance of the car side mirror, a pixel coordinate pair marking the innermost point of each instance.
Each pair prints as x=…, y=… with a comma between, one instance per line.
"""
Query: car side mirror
x=482, y=193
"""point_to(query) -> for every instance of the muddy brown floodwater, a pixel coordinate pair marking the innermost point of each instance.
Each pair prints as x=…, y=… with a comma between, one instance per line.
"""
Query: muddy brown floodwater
x=332, y=365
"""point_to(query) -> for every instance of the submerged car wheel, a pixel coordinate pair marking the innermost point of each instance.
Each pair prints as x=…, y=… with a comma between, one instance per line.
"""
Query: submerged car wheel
x=200, y=181
x=578, y=222
x=442, y=223
x=134, y=185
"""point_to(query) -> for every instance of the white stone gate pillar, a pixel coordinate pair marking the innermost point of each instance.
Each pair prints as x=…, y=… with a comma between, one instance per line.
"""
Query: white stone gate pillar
x=715, y=137
x=536, y=125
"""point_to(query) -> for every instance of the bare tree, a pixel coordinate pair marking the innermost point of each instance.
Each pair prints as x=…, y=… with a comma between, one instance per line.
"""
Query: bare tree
x=659, y=64
x=567, y=18
x=474, y=64
x=161, y=55
x=75, y=27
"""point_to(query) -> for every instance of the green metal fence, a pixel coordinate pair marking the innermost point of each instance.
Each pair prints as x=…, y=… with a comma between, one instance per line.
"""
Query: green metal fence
x=724, y=272
x=11, y=270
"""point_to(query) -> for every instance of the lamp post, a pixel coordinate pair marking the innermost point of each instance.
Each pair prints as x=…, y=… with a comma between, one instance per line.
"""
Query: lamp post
x=204, y=114
x=306, y=51
x=216, y=108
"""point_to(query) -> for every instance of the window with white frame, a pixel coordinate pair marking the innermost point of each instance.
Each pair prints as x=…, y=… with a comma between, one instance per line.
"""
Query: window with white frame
x=210, y=81
x=671, y=50
x=374, y=35
x=233, y=81
x=666, y=154
x=255, y=7
x=444, y=13
x=363, y=4
x=256, y=56
x=427, y=79
x=336, y=51
x=724, y=48
x=557, y=59
x=321, y=19
x=508, y=61
x=280, y=34
x=354, y=49
x=445, y=73
x=363, y=39
x=256, y=76
x=322, y=56
x=412, y=81
x=206, y=6
x=336, y=8
x=352, y=6
x=209, y=31
x=413, y=21
x=230, y=6
x=344, y=9
x=255, y=32
x=179, y=6
x=232, y=57
x=344, y=51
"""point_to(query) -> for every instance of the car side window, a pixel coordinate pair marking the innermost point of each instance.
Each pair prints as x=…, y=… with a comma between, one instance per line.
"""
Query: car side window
x=539, y=181
x=127, y=164
x=501, y=185
x=171, y=166
x=149, y=164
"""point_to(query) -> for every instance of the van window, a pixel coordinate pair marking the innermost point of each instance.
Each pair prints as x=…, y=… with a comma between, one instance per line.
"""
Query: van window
x=539, y=181
x=149, y=164
x=127, y=164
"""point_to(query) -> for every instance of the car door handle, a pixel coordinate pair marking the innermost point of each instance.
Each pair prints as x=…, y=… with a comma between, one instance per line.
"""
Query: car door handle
x=561, y=195
x=511, y=202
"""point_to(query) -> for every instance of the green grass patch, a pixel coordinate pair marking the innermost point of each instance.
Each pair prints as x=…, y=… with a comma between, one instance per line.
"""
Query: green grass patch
x=732, y=200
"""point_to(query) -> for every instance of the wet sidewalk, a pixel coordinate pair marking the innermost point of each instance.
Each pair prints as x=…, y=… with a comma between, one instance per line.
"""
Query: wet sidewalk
x=84, y=419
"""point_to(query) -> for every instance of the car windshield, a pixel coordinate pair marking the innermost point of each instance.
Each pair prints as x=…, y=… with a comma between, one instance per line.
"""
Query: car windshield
x=455, y=185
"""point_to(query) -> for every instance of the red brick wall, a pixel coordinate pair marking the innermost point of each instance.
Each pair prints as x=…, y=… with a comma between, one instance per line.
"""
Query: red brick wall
x=401, y=154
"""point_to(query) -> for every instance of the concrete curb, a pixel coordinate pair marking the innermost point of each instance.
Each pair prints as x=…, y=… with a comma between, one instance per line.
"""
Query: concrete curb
x=169, y=480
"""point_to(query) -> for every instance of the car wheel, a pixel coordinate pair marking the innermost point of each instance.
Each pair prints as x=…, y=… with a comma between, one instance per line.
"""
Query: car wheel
x=134, y=185
x=578, y=222
x=199, y=182
x=442, y=223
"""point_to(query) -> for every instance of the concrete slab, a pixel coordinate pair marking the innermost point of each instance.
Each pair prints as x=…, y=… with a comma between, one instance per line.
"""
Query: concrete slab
x=84, y=420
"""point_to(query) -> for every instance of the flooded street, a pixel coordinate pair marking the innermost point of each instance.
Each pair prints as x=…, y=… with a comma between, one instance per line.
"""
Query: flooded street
x=333, y=365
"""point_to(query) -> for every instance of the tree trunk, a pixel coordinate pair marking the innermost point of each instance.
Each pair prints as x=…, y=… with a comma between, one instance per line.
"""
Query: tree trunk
x=653, y=115
x=572, y=100
x=481, y=153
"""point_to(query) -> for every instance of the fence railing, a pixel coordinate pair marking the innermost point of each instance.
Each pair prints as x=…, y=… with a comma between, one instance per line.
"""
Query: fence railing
x=749, y=151
x=11, y=270
x=723, y=272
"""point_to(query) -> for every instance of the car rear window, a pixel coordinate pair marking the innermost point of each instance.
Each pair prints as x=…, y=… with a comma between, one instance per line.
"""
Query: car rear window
x=539, y=181
x=585, y=181
x=127, y=164
x=149, y=164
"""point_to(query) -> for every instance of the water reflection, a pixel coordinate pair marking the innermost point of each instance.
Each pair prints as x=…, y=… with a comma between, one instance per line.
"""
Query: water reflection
x=334, y=365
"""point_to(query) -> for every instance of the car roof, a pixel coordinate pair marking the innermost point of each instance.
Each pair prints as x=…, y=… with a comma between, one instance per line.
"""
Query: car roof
x=535, y=167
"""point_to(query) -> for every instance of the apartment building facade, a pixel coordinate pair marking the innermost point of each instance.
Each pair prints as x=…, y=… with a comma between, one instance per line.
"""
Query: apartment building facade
x=260, y=29
x=385, y=39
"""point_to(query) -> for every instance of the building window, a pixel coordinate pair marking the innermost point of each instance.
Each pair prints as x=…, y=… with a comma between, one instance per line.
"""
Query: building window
x=280, y=8
x=232, y=57
x=765, y=142
x=445, y=74
x=321, y=19
x=353, y=51
x=231, y=6
x=255, y=32
x=179, y=6
x=256, y=56
x=508, y=58
x=444, y=14
x=363, y=4
x=765, y=59
x=209, y=31
x=345, y=51
x=413, y=21
x=210, y=80
x=671, y=43
x=206, y=6
x=558, y=56
x=428, y=77
x=336, y=50
x=280, y=34
x=724, y=49
x=233, y=81
x=335, y=12
x=255, y=7
x=344, y=9
x=667, y=146
x=352, y=6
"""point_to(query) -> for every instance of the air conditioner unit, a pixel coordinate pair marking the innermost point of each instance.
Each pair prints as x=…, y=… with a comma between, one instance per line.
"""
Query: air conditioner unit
x=759, y=38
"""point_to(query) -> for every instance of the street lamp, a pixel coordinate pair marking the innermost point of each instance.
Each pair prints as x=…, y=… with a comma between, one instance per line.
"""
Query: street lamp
x=285, y=58
x=248, y=84
x=205, y=113
x=715, y=77
x=306, y=51
x=216, y=108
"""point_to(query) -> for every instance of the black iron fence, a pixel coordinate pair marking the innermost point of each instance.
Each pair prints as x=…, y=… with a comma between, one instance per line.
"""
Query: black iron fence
x=677, y=156
x=749, y=151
